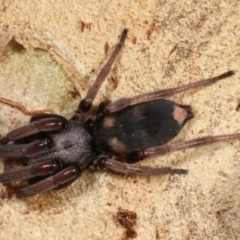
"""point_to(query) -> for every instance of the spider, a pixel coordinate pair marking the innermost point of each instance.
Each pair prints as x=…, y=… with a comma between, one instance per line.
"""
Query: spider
x=55, y=150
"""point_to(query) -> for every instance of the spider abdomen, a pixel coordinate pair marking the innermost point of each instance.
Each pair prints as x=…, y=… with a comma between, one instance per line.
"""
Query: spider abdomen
x=140, y=126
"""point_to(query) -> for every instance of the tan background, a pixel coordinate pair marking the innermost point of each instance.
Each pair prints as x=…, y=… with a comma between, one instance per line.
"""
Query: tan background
x=169, y=43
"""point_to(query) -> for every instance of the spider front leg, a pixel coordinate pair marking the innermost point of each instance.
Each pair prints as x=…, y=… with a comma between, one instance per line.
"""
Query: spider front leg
x=86, y=103
x=28, y=172
x=43, y=125
x=62, y=176
x=25, y=150
x=65, y=176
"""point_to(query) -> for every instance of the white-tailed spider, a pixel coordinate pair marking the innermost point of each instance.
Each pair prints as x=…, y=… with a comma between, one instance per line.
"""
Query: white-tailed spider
x=55, y=150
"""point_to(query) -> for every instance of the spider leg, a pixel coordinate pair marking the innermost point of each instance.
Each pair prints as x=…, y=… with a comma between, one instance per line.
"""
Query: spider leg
x=120, y=167
x=28, y=172
x=165, y=93
x=164, y=149
x=86, y=103
x=43, y=125
x=117, y=166
x=68, y=174
x=41, y=116
x=25, y=150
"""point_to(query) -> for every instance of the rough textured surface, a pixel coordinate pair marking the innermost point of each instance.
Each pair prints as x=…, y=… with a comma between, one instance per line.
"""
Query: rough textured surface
x=169, y=43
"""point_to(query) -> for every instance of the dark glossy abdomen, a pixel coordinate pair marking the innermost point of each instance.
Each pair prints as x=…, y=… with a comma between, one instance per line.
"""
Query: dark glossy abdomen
x=137, y=127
